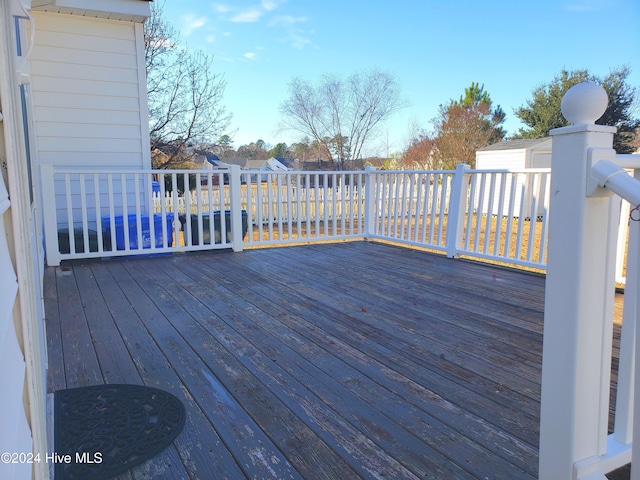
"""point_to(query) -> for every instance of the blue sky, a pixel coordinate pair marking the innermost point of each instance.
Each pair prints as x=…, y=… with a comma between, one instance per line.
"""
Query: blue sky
x=435, y=49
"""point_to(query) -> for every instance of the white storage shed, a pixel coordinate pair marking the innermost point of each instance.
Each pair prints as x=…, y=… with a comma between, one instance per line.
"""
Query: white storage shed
x=516, y=154
x=523, y=194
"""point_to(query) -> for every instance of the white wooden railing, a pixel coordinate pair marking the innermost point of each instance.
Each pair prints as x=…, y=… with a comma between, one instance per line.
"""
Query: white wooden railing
x=493, y=214
x=579, y=300
x=293, y=207
x=103, y=213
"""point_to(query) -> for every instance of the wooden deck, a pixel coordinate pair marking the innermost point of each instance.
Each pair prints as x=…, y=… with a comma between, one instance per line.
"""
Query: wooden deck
x=332, y=361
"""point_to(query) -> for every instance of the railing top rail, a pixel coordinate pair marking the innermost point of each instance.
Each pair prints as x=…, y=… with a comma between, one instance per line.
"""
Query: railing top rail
x=404, y=172
x=510, y=170
x=475, y=170
x=625, y=159
x=283, y=172
x=628, y=160
x=121, y=170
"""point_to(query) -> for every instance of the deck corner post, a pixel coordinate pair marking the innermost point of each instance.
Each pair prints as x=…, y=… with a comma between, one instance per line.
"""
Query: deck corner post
x=579, y=282
x=52, y=249
x=457, y=208
x=235, y=184
x=369, y=202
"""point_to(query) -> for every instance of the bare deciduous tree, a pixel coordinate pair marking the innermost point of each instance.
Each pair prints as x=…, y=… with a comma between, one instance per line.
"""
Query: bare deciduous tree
x=341, y=115
x=184, y=94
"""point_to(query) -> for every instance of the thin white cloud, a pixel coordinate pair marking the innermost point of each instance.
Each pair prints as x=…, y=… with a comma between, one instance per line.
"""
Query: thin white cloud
x=298, y=41
x=247, y=16
x=297, y=37
x=191, y=22
x=222, y=56
x=286, y=20
x=269, y=5
x=220, y=8
x=250, y=56
x=289, y=25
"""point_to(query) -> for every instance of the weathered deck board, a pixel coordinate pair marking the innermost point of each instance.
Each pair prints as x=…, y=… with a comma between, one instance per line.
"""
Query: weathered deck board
x=302, y=371
x=351, y=360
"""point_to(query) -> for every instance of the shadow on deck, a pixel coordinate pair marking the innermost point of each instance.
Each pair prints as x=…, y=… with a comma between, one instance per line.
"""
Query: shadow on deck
x=350, y=360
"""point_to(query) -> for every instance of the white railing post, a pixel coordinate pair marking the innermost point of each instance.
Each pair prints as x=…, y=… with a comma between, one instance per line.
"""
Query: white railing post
x=369, y=202
x=235, y=185
x=575, y=362
x=457, y=209
x=52, y=249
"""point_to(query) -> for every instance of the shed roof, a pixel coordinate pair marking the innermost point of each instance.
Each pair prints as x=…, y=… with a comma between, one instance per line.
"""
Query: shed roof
x=286, y=161
x=519, y=144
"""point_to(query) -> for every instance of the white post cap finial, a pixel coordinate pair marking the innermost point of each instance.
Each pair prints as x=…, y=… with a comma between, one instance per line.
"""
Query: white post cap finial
x=584, y=103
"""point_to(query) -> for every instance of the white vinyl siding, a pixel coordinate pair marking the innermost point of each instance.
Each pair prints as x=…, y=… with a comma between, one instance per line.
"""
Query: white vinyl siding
x=501, y=159
x=15, y=434
x=86, y=85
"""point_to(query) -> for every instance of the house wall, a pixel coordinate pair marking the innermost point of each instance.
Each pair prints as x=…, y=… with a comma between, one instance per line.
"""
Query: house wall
x=87, y=84
x=22, y=339
x=89, y=93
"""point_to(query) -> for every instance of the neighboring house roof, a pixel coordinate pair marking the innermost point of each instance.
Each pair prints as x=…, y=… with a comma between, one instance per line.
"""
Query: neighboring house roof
x=519, y=144
x=241, y=162
x=287, y=162
x=275, y=164
x=207, y=159
x=250, y=164
x=244, y=163
x=255, y=164
x=212, y=158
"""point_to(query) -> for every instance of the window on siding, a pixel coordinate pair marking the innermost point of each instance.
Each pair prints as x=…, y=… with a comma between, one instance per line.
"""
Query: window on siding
x=23, y=33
